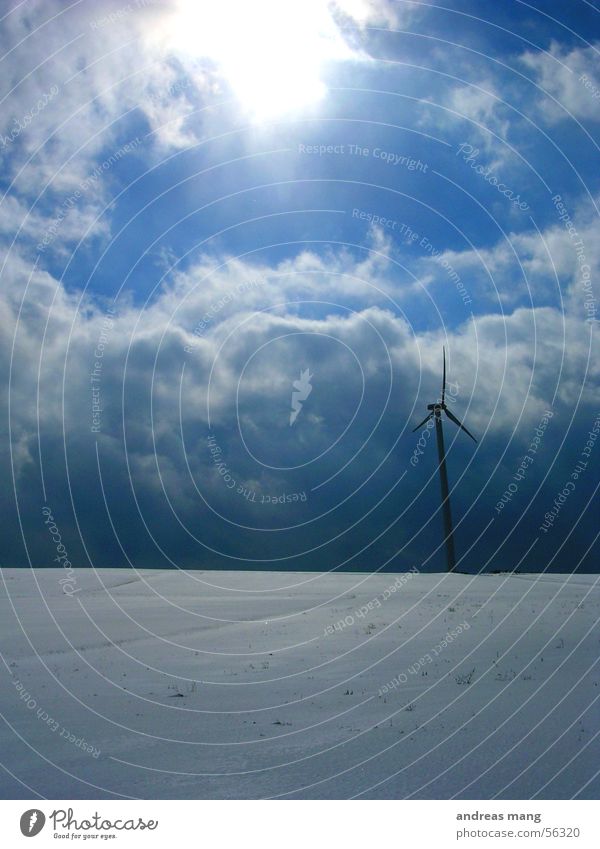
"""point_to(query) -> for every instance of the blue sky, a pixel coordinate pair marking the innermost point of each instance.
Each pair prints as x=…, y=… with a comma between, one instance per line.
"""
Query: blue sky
x=202, y=202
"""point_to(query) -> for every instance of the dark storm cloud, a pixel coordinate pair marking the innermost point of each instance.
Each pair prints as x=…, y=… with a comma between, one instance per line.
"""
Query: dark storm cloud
x=166, y=431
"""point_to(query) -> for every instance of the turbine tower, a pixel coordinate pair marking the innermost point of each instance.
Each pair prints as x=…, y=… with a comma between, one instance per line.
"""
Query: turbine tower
x=436, y=414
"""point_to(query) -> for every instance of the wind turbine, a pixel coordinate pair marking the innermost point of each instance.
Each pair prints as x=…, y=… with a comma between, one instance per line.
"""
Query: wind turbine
x=436, y=414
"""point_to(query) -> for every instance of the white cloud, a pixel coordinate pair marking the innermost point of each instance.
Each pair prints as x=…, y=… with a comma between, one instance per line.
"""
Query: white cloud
x=571, y=77
x=482, y=105
x=526, y=267
x=385, y=13
x=162, y=331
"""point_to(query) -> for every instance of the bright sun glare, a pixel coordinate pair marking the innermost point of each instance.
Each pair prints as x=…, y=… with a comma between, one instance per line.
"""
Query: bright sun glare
x=271, y=52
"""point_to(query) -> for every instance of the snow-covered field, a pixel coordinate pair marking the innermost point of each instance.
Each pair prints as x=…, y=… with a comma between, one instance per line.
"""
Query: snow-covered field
x=165, y=684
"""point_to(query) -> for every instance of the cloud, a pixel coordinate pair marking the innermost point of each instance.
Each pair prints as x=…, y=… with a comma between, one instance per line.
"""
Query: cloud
x=382, y=13
x=482, y=112
x=163, y=381
x=551, y=267
x=572, y=79
x=482, y=105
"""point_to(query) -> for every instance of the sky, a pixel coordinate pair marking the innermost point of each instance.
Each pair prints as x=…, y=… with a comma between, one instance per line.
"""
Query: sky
x=237, y=240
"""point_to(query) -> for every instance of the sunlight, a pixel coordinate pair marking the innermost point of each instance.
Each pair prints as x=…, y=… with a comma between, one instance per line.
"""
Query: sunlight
x=272, y=54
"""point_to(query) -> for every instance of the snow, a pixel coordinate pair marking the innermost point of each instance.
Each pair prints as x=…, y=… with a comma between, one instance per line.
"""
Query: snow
x=167, y=684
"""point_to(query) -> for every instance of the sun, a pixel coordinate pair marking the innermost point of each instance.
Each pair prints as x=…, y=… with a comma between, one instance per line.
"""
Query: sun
x=271, y=53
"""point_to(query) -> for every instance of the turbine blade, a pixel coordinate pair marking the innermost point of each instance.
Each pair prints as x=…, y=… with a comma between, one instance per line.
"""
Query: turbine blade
x=425, y=420
x=453, y=418
x=444, y=378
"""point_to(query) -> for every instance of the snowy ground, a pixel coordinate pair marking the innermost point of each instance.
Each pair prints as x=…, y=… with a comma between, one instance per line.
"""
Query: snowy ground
x=253, y=685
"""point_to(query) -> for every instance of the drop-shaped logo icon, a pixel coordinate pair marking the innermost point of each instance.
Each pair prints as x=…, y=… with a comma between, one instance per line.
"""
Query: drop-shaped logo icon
x=32, y=822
